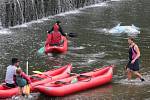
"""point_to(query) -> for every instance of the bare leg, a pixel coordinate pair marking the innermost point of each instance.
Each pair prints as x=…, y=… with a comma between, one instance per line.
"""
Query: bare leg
x=20, y=90
x=139, y=75
x=129, y=73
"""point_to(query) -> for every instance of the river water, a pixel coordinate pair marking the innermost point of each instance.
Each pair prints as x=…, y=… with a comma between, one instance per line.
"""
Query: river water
x=93, y=48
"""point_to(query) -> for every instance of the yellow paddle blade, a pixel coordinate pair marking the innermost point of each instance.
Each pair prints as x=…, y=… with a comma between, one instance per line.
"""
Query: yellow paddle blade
x=41, y=50
x=37, y=72
x=27, y=89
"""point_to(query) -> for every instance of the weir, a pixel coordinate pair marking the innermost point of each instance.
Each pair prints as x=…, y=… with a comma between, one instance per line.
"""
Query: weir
x=16, y=12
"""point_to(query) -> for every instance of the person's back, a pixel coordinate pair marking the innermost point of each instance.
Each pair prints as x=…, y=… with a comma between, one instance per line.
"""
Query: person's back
x=59, y=28
x=55, y=36
x=11, y=70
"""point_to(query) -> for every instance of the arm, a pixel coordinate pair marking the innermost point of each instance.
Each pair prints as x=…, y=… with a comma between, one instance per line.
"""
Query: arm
x=50, y=30
x=136, y=48
x=26, y=77
x=61, y=31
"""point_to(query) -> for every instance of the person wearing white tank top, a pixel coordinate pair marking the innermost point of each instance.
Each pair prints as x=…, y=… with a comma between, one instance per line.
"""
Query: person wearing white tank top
x=11, y=72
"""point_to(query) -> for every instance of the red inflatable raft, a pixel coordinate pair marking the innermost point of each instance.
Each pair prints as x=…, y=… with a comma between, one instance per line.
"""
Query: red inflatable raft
x=57, y=49
x=38, y=79
x=78, y=82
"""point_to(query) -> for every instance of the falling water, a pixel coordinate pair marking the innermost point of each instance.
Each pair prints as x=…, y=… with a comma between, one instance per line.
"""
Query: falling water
x=21, y=10
x=16, y=12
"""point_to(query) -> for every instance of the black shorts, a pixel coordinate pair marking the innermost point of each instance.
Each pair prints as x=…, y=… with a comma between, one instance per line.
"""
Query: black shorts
x=11, y=85
x=134, y=66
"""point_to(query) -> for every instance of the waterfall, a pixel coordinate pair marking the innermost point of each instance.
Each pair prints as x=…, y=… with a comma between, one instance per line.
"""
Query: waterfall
x=14, y=12
x=21, y=10
x=0, y=25
x=42, y=6
x=33, y=7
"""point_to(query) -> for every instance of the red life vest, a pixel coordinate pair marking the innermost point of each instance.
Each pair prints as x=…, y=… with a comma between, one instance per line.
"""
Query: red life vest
x=55, y=35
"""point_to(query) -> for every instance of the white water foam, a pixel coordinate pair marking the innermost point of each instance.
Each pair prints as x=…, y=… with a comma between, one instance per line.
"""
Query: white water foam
x=115, y=0
x=106, y=31
x=69, y=12
x=136, y=81
x=103, y=4
x=76, y=48
x=5, y=31
x=91, y=61
x=86, y=59
x=76, y=11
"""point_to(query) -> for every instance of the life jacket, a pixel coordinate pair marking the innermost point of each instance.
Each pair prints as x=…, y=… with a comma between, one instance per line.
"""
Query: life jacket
x=55, y=35
x=132, y=53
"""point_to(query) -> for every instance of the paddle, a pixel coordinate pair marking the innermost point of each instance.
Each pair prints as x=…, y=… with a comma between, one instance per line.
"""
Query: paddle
x=74, y=80
x=27, y=89
x=71, y=34
x=36, y=77
x=80, y=75
x=38, y=72
x=61, y=82
x=41, y=50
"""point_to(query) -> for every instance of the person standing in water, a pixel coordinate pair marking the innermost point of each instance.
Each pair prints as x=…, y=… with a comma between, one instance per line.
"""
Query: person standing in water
x=22, y=80
x=133, y=64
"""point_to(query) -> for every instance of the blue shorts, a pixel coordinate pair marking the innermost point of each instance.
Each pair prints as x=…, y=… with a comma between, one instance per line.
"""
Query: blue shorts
x=21, y=82
x=134, y=66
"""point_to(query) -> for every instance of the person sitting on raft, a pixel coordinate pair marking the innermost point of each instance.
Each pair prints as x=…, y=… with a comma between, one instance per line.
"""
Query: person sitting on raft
x=54, y=35
x=60, y=28
x=11, y=72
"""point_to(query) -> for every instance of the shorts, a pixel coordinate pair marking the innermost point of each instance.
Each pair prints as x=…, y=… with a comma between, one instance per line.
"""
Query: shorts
x=134, y=66
x=21, y=82
x=11, y=85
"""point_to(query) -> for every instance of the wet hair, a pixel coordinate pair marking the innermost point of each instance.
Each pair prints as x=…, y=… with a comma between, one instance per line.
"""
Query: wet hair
x=56, y=27
x=18, y=71
x=14, y=60
x=58, y=22
x=131, y=38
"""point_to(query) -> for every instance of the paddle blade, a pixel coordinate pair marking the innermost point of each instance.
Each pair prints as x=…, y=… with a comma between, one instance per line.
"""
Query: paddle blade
x=72, y=34
x=41, y=50
x=56, y=66
x=37, y=72
x=27, y=90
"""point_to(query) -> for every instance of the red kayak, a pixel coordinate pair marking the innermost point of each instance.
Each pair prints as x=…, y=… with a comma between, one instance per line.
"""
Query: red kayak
x=78, y=82
x=57, y=49
x=38, y=79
